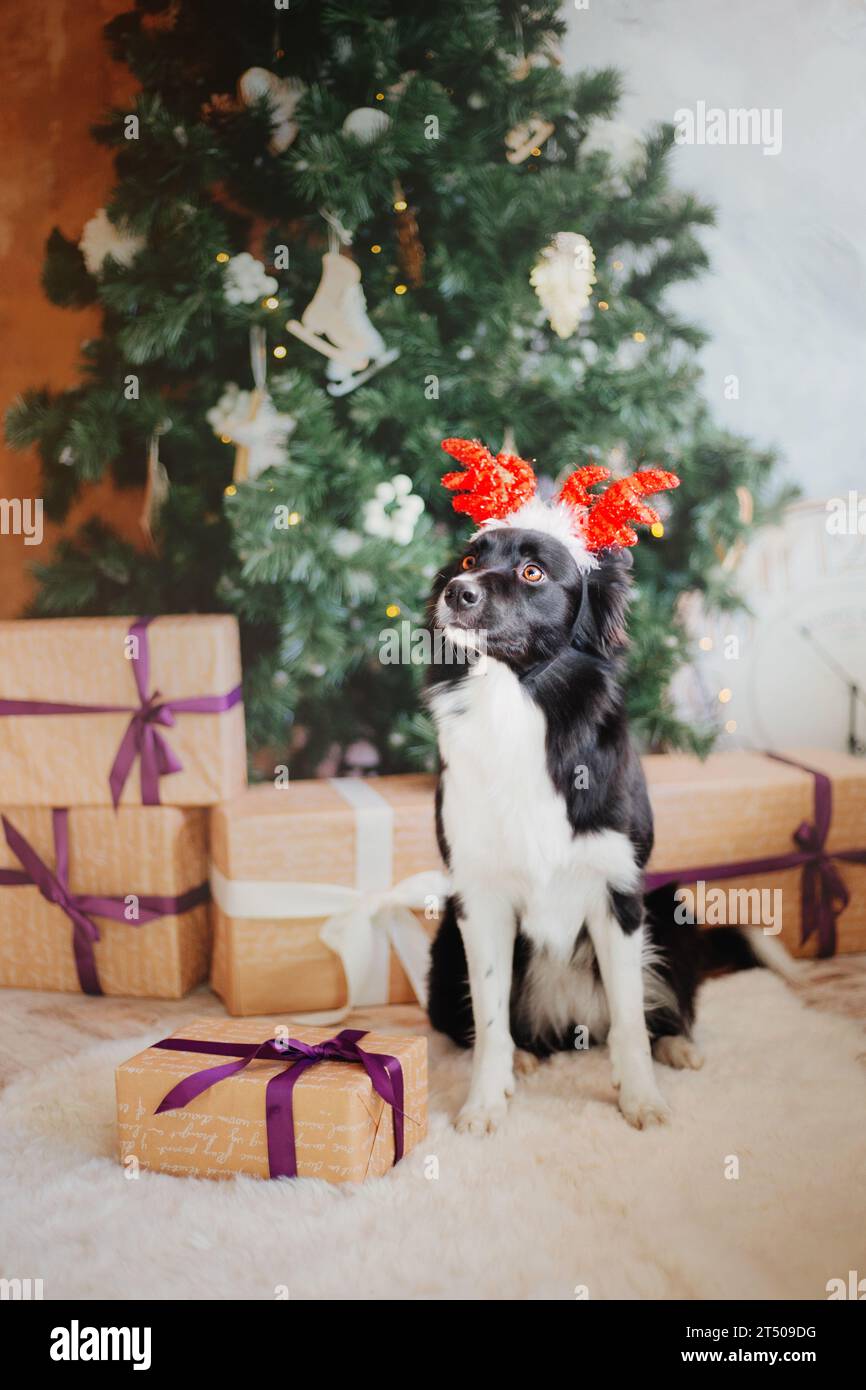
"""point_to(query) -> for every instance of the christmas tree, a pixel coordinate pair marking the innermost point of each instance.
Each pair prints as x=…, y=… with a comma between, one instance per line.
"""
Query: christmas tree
x=341, y=232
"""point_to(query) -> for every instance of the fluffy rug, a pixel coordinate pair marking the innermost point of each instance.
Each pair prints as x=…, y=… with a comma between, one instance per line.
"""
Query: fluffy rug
x=564, y=1198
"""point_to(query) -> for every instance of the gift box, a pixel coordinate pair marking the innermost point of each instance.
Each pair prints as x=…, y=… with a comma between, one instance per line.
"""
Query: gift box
x=744, y=821
x=229, y=1096
x=95, y=711
x=111, y=902
x=326, y=894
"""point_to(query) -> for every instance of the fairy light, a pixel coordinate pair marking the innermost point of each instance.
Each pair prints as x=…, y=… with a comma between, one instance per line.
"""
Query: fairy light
x=230, y=490
x=380, y=96
x=725, y=696
x=225, y=439
x=639, y=337
x=603, y=304
x=393, y=610
x=222, y=257
x=400, y=205
x=400, y=289
x=279, y=350
x=536, y=152
x=294, y=518
x=376, y=248
x=657, y=530
x=271, y=302
x=617, y=265
x=730, y=726
x=706, y=644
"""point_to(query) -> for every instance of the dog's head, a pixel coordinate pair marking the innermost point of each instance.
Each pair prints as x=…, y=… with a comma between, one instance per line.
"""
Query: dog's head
x=518, y=595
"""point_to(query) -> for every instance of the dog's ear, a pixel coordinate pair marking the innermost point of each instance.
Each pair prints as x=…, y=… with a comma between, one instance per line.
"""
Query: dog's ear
x=600, y=624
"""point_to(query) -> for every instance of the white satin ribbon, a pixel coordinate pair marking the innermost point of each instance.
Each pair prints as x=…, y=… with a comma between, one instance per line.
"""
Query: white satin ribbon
x=362, y=923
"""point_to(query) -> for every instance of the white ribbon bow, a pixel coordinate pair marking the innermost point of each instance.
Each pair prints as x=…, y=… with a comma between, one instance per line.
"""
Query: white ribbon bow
x=361, y=927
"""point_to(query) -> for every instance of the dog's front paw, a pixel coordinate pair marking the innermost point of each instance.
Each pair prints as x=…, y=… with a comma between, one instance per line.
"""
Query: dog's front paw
x=481, y=1119
x=643, y=1108
x=485, y=1110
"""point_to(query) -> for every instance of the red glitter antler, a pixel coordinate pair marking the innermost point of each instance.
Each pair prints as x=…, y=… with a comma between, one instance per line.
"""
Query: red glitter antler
x=607, y=522
x=490, y=488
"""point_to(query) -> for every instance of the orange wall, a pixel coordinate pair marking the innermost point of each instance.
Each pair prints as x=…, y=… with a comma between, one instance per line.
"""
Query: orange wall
x=56, y=79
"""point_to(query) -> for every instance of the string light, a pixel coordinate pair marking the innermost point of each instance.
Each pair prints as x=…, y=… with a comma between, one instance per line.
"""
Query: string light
x=222, y=257
x=400, y=289
x=603, y=304
x=400, y=205
x=657, y=530
x=271, y=302
x=536, y=152
x=706, y=644
x=380, y=96
x=376, y=248
x=725, y=696
x=639, y=337
x=731, y=726
x=392, y=611
x=617, y=265
x=294, y=518
x=230, y=490
x=279, y=350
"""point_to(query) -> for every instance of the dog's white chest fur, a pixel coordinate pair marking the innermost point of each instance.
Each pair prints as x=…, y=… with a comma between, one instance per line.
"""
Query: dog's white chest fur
x=507, y=826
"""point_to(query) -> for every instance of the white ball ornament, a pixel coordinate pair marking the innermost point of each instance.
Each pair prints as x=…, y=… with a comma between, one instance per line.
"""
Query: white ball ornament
x=366, y=124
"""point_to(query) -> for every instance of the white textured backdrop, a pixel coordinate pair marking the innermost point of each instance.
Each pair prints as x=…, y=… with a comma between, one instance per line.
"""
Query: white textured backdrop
x=786, y=299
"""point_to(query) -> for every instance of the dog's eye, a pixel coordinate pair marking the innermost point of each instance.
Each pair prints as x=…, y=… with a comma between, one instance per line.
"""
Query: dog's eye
x=469, y=562
x=533, y=574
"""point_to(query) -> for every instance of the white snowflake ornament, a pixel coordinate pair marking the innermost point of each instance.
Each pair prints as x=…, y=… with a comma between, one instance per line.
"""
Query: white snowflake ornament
x=251, y=421
x=282, y=94
x=101, y=237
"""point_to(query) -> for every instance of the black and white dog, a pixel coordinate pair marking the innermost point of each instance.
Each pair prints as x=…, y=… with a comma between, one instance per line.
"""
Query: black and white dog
x=543, y=814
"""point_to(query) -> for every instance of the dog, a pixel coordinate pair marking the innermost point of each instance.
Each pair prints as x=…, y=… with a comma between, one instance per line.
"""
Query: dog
x=547, y=941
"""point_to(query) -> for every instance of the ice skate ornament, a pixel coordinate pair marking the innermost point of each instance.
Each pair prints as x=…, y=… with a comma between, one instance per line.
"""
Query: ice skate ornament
x=338, y=309
x=522, y=139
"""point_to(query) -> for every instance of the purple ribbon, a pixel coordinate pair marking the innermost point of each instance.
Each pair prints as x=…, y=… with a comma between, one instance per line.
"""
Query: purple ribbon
x=143, y=738
x=384, y=1071
x=54, y=887
x=824, y=893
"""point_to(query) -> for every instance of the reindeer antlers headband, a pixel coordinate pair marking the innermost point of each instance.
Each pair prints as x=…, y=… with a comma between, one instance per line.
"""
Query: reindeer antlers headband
x=500, y=491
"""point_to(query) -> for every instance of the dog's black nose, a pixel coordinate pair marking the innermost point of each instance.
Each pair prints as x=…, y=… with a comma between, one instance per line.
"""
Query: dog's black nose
x=462, y=593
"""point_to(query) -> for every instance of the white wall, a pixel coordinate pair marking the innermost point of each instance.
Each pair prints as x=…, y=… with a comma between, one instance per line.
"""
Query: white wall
x=786, y=299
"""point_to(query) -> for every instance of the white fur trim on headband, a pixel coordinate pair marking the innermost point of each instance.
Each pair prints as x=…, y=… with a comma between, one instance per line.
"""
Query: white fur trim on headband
x=554, y=519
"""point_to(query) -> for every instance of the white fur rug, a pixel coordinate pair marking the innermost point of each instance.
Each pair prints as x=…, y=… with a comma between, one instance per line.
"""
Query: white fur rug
x=565, y=1195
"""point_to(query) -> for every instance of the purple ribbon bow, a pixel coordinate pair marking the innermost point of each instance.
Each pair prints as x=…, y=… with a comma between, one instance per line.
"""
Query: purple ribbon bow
x=143, y=738
x=54, y=887
x=384, y=1071
x=823, y=894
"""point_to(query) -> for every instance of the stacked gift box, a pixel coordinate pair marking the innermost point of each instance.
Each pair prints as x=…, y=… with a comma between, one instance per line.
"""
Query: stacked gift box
x=134, y=860
x=115, y=737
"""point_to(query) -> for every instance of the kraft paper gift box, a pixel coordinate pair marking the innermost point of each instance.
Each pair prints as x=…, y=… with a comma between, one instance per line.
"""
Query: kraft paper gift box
x=326, y=895
x=279, y=1101
x=100, y=710
x=104, y=901
x=743, y=820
